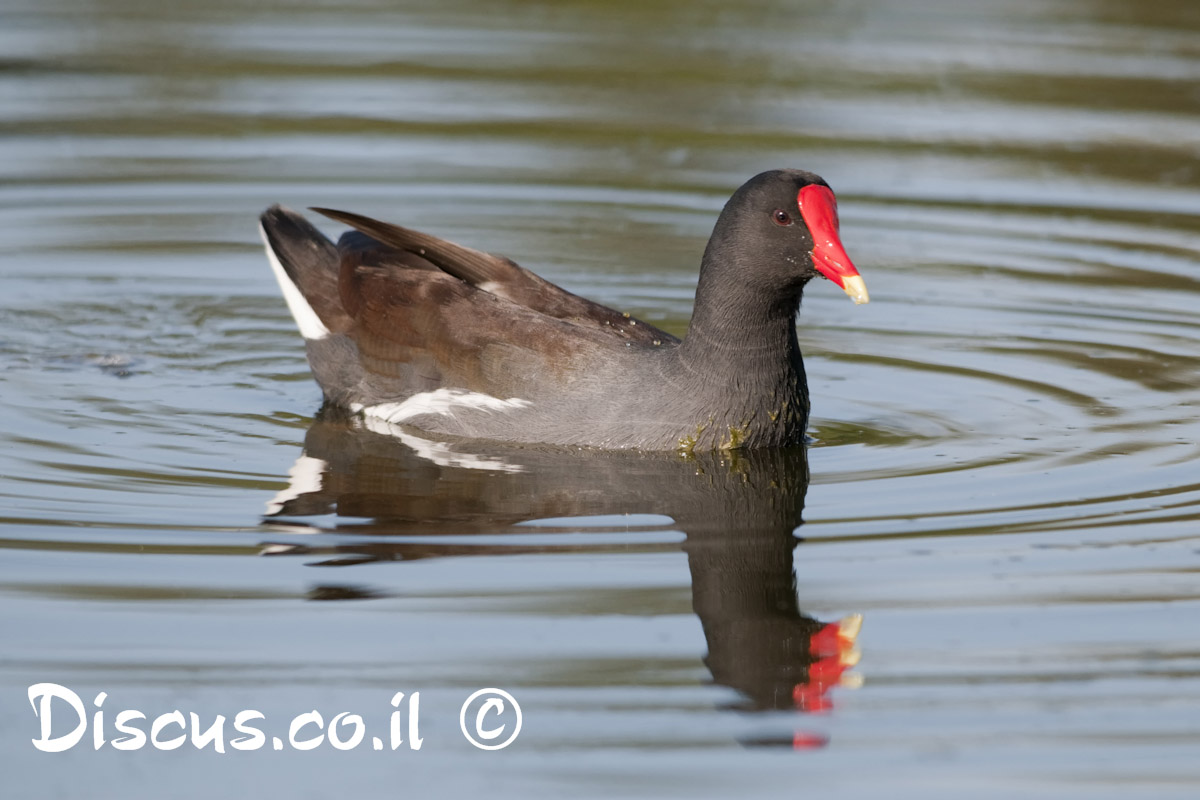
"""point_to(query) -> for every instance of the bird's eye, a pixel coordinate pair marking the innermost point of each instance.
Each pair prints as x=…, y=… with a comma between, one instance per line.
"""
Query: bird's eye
x=781, y=217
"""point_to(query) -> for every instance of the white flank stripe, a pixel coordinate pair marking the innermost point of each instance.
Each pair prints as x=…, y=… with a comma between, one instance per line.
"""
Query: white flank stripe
x=305, y=477
x=307, y=321
x=443, y=402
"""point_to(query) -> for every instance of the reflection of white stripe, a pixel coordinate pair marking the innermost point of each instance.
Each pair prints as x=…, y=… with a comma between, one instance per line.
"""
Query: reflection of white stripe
x=288, y=549
x=307, y=321
x=305, y=477
x=443, y=402
x=440, y=453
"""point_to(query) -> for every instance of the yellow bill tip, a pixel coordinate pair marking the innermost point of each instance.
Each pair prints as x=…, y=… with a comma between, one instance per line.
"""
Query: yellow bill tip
x=856, y=287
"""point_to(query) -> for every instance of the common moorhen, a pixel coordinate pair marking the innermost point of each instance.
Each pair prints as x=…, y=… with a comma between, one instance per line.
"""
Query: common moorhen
x=415, y=330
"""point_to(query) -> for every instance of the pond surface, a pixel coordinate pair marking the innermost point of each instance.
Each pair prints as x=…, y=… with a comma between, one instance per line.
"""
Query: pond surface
x=1003, y=480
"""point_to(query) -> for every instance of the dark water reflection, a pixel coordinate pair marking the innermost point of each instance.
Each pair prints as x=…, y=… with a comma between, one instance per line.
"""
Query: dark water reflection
x=739, y=513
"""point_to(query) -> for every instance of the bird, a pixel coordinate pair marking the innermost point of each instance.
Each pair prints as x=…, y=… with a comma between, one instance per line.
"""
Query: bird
x=417, y=332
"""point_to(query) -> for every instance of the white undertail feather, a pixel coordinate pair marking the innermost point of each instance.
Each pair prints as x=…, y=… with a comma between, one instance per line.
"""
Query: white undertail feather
x=307, y=321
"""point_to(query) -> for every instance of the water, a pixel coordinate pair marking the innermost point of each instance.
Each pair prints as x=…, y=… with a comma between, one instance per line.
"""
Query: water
x=1003, y=478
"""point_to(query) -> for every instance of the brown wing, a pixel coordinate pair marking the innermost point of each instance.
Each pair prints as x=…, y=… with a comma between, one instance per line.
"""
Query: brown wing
x=428, y=329
x=397, y=248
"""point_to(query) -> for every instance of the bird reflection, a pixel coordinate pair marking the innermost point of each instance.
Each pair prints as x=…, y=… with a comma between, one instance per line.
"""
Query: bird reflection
x=739, y=512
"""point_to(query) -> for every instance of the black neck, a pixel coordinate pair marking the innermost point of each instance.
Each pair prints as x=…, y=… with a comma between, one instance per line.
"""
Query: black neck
x=741, y=361
x=738, y=325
